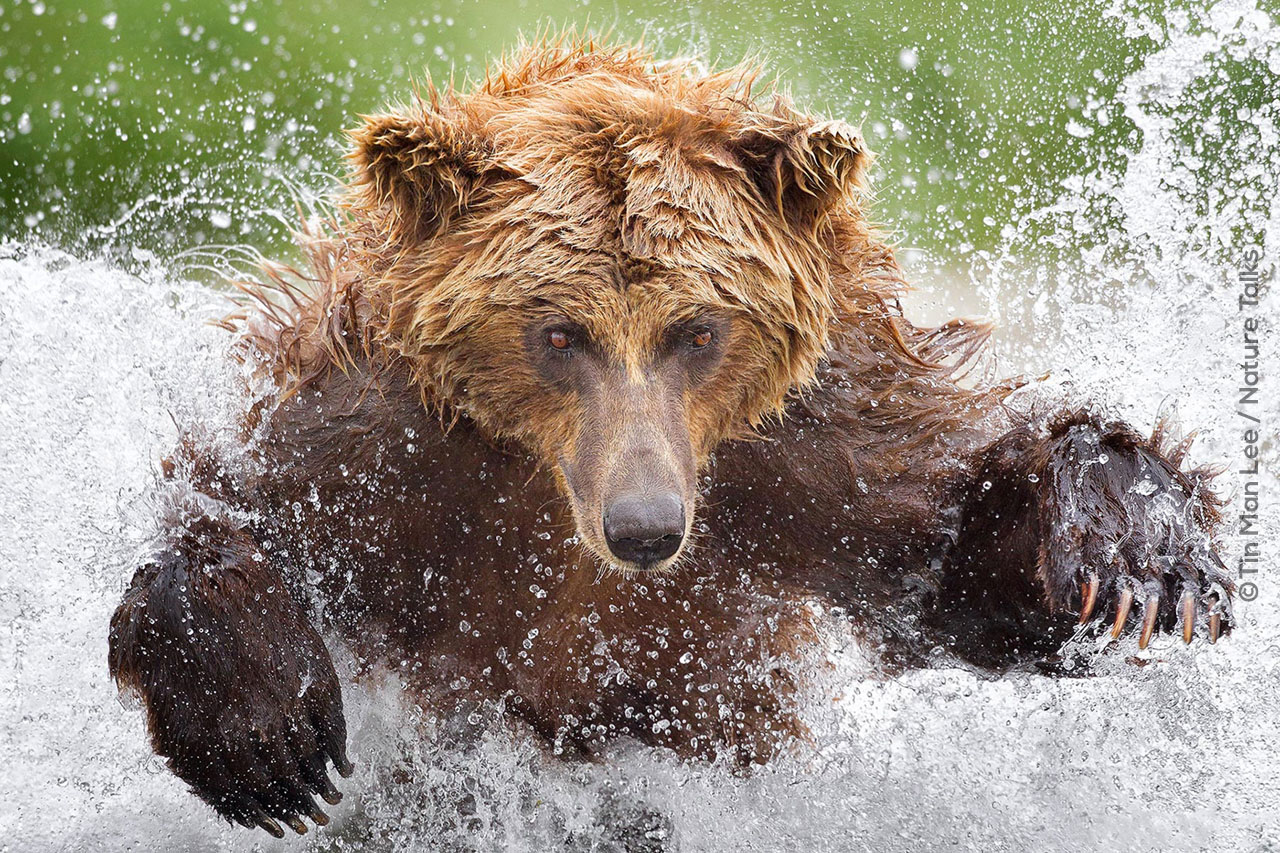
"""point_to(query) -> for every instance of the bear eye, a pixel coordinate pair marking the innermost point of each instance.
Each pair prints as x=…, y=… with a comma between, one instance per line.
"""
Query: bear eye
x=558, y=339
x=701, y=338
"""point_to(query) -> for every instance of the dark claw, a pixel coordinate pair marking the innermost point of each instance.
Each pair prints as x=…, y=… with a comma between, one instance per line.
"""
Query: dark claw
x=334, y=744
x=296, y=824
x=261, y=819
x=318, y=817
x=1088, y=597
x=302, y=803
x=329, y=793
x=1122, y=612
x=1215, y=626
x=1188, y=615
x=317, y=779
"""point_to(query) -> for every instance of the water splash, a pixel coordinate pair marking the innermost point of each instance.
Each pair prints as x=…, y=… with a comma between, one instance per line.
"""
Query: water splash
x=1122, y=288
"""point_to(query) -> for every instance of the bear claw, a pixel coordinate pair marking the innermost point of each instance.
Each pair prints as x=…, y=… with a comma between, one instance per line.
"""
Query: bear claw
x=1122, y=612
x=260, y=819
x=1089, y=597
x=1188, y=615
x=330, y=794
x=1149, y=612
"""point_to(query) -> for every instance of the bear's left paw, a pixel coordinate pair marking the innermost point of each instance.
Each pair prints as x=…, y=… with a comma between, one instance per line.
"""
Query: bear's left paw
x=1126, y=528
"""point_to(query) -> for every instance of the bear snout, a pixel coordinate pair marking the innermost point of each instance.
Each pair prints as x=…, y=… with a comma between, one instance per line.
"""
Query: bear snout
x=644, y=530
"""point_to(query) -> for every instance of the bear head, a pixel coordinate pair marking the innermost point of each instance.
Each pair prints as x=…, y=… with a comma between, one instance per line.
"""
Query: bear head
x=614, y=263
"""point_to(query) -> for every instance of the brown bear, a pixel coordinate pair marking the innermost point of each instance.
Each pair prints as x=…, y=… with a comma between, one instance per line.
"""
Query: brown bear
x=597, y=382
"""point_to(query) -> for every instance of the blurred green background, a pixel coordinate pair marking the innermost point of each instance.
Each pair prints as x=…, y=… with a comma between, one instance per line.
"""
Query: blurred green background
x=158, y=127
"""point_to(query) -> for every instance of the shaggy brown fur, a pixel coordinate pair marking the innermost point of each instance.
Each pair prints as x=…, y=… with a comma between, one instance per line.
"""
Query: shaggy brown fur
x=595, y=278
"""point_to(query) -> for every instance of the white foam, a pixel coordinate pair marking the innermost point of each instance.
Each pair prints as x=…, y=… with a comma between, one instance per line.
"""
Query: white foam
x=1175, y=755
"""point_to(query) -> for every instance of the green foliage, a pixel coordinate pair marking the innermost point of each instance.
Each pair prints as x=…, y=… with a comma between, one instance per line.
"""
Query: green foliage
x=176, y=125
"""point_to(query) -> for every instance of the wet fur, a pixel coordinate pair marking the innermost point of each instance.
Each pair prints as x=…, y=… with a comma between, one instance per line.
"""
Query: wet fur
x=407, y=462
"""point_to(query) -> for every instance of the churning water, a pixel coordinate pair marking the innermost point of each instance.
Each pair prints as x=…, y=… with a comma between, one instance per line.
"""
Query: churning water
x=1124, y=289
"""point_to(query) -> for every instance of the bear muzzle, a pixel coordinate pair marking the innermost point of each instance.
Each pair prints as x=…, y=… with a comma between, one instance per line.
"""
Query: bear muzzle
x=644, y=530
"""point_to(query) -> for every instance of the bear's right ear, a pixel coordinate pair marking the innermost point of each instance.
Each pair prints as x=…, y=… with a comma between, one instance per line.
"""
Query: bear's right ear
x=417, y=169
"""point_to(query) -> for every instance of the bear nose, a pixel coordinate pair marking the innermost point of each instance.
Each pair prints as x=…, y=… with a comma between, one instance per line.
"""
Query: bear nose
x=644, y=529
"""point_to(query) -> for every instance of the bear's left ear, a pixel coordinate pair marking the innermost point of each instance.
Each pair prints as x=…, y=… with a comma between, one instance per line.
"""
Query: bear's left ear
x=417, y=169
x=804, y=170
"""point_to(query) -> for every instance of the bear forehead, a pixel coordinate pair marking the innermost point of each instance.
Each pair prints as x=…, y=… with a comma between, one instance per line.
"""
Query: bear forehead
x=650, y=225
x=579, y=240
